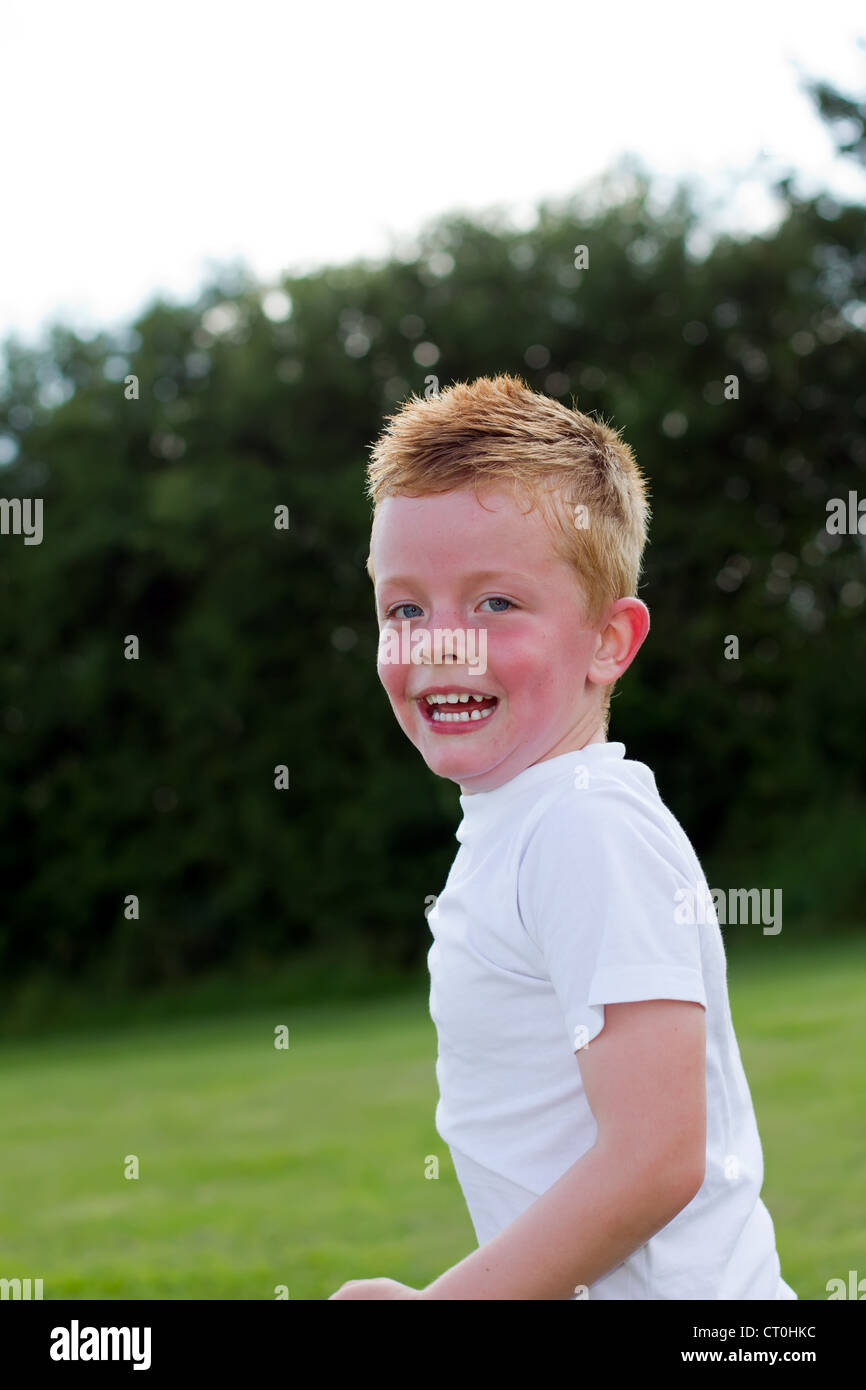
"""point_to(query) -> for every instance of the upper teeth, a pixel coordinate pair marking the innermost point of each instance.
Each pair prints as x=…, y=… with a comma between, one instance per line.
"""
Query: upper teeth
x=453, y=699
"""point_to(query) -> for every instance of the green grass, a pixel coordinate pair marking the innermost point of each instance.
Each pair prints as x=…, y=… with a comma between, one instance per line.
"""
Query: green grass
x=799, y=1020
x=306, y=1167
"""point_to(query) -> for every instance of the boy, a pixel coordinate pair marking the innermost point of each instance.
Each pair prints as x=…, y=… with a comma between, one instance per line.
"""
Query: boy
x=591, y=1089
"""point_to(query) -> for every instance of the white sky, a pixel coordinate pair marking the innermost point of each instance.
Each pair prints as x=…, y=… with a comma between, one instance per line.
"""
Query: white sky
x=142, y=142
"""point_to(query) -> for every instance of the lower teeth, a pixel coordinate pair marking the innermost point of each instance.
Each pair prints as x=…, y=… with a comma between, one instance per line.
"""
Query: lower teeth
x=463, y=718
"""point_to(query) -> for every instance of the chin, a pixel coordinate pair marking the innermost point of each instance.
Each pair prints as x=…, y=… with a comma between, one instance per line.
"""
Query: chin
x=453, y=763
x=464, y=767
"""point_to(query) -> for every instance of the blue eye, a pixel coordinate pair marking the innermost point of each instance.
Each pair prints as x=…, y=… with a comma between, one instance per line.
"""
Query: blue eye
x=397, y=606
x=392, y=612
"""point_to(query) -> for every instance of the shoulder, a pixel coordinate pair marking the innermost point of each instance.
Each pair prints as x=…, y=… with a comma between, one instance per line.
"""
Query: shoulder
x=602, y=825
x=592, y=812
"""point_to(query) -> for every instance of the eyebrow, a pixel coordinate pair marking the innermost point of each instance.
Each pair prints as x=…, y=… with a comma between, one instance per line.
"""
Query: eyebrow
x=475, y=577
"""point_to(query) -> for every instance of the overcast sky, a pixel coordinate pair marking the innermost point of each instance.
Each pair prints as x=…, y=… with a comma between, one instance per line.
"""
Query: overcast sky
x=142, y=142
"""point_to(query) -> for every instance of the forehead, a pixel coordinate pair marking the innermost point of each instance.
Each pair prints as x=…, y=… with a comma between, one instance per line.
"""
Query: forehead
x=461, y=531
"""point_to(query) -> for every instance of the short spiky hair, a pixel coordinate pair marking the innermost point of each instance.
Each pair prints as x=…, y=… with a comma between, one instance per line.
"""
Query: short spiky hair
x=498, y=431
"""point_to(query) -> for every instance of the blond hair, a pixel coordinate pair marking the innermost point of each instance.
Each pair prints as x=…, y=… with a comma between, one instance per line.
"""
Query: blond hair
x=496, y=430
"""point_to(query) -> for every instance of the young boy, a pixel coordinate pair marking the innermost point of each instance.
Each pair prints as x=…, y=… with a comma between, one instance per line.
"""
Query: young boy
x=592, y=1094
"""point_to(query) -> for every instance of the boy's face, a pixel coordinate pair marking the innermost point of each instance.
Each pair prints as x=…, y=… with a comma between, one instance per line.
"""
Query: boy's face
x=446, y=562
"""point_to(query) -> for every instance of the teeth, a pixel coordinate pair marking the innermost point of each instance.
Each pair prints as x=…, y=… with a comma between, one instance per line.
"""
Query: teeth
x=454, y=699
x=440, y=717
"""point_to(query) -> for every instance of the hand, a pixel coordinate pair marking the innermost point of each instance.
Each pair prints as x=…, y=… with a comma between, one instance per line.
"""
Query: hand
x=375, y=1288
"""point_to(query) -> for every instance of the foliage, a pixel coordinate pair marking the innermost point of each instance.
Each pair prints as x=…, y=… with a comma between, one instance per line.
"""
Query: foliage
x=155, y=777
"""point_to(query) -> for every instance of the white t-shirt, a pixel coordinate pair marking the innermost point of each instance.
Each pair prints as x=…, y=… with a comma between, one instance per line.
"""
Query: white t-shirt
x=563, y=898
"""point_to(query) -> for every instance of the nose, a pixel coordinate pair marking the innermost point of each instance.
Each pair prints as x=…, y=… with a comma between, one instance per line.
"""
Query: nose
x=443, y=642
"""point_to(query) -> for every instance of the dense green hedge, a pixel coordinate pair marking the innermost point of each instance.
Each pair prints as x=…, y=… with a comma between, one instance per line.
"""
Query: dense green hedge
x=155, y=777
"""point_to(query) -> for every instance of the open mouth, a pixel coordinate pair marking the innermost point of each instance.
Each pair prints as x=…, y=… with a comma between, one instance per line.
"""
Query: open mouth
x=457, y=709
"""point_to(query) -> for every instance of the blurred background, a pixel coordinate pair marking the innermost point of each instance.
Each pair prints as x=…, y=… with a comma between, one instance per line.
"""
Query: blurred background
x=233, y=245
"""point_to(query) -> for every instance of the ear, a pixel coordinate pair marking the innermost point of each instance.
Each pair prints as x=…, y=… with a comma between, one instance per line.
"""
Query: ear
x=620, y=637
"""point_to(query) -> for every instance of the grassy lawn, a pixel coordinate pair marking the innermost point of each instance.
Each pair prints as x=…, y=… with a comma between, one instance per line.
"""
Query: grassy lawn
x=306, y=1167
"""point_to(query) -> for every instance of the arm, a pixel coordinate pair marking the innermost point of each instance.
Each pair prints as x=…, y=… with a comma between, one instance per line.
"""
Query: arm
x=644, y=1077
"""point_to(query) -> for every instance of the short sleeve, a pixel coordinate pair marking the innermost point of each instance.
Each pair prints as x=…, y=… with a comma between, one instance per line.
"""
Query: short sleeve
x=599, y=885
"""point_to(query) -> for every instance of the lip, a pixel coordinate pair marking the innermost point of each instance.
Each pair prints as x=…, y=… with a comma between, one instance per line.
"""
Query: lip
x=455, y=726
